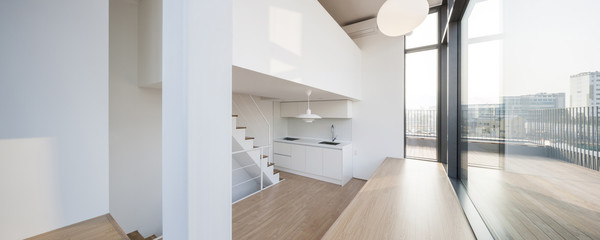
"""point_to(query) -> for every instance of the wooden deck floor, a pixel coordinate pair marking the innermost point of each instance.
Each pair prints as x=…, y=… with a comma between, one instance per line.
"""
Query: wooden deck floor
x=536, y=198
x=531, y=197
x=297, y=208
x=421, y=148
x=404, y=199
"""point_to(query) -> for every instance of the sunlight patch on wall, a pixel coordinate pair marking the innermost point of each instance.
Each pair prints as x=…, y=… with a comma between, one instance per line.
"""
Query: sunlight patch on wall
x=29, y=181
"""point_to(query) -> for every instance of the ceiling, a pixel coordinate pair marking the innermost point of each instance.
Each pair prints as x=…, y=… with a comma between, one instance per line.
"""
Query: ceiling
x=257, y=84
x=346, y=12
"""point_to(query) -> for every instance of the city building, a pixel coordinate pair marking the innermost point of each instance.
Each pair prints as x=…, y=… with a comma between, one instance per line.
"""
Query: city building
x=508, y=120
x=534, y=101
x=524, y=105
x=585, y=89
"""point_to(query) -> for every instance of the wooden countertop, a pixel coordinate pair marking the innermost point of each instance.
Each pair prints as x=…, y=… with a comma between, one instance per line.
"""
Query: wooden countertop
x=404, y=199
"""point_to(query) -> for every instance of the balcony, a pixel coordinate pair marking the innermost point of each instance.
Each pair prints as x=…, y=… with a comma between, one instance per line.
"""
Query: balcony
x=566, y=134
x=527, y=170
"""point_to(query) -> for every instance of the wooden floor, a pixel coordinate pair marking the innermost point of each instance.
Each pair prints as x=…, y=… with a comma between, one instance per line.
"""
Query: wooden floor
x=536, y=198
x=297, y=208
x=404, y=199
x=99, y=228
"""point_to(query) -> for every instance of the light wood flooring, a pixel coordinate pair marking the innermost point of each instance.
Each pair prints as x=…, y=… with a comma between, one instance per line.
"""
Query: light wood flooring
x=297, y=208
x=99, y=228
x=404, y=199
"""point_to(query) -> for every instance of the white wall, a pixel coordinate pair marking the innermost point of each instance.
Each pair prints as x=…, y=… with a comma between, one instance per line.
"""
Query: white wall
x=378, y=122
x=150, y=43
x=197, y=119
x=54, y=114
x=320, y=128
x=280, y=126
x=135, y=125
x=296, y=41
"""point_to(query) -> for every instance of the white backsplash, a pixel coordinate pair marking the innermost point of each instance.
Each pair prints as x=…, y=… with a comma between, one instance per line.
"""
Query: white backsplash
x=320, y=128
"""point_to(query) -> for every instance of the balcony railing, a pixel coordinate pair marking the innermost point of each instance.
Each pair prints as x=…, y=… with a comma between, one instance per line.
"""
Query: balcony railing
x=421, y=123
x=568, y=134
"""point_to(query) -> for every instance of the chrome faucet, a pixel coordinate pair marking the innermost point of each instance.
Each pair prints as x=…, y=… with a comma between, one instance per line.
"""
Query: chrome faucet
x=333, y=136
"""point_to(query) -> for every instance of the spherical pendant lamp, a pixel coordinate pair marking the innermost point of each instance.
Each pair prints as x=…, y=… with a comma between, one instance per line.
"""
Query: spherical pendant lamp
x=399, y=17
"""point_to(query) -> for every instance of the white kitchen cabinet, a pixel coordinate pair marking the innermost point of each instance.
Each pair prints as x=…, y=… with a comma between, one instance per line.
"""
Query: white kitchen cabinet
x=283, y=161
x=282, y=154
x=282, y=148
x=332, y=109
x=332, y=163
x=325, y=109
x=327, y=164
x=314, y=160
x=298, y=157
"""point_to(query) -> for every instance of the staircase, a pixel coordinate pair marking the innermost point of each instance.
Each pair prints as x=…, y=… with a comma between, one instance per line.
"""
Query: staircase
x=252, y=169
x=135, y=235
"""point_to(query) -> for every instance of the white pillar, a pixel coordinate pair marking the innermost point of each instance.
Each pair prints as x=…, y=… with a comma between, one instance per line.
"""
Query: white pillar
x=197, y=49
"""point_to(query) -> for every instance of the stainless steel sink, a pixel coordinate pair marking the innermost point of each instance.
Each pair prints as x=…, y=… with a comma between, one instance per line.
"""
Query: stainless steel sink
x=290, y=139
x=329, y=143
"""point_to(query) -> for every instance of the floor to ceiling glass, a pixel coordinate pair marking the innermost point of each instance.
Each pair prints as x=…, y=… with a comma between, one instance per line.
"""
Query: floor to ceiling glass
x=421, y=90
x=530, y=96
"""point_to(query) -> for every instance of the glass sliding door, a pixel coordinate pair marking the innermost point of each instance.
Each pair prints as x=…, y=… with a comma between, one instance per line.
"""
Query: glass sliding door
x=530, y=96
x=421, y=66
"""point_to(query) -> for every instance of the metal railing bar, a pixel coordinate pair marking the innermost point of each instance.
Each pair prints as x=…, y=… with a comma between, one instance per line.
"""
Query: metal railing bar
x=249, y=165
x=568, y=134
x=250, y=150
x=254, y=178
x=266, y=121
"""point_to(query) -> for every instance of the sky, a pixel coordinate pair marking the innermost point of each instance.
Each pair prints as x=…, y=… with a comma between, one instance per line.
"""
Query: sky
x=421, y=67
x=535, y=47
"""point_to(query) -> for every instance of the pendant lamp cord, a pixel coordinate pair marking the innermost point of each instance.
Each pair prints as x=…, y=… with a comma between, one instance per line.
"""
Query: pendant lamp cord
x=308, y=93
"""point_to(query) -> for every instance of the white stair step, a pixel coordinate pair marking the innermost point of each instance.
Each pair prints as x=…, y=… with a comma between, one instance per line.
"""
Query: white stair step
x=247, y=144
x=239, y=134
x=233, y=122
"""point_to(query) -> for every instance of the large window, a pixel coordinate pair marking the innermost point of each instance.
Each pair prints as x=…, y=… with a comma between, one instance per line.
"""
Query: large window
x=529, y=117
x=422, y=90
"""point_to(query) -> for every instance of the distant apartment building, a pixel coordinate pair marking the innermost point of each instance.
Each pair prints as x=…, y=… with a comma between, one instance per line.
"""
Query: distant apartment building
x=510, y=119
x=535, y=101
x=523, y=105
x=520, y=110
x=585, y=89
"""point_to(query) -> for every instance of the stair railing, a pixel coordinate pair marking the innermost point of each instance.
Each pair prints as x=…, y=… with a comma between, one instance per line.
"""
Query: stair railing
x=268, y=127
x=261, y=165
x=268, y=148
x=269, y=130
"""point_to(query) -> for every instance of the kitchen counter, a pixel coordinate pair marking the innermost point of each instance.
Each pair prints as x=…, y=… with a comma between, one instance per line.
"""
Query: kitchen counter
x=314, y=142
x=306, y=157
